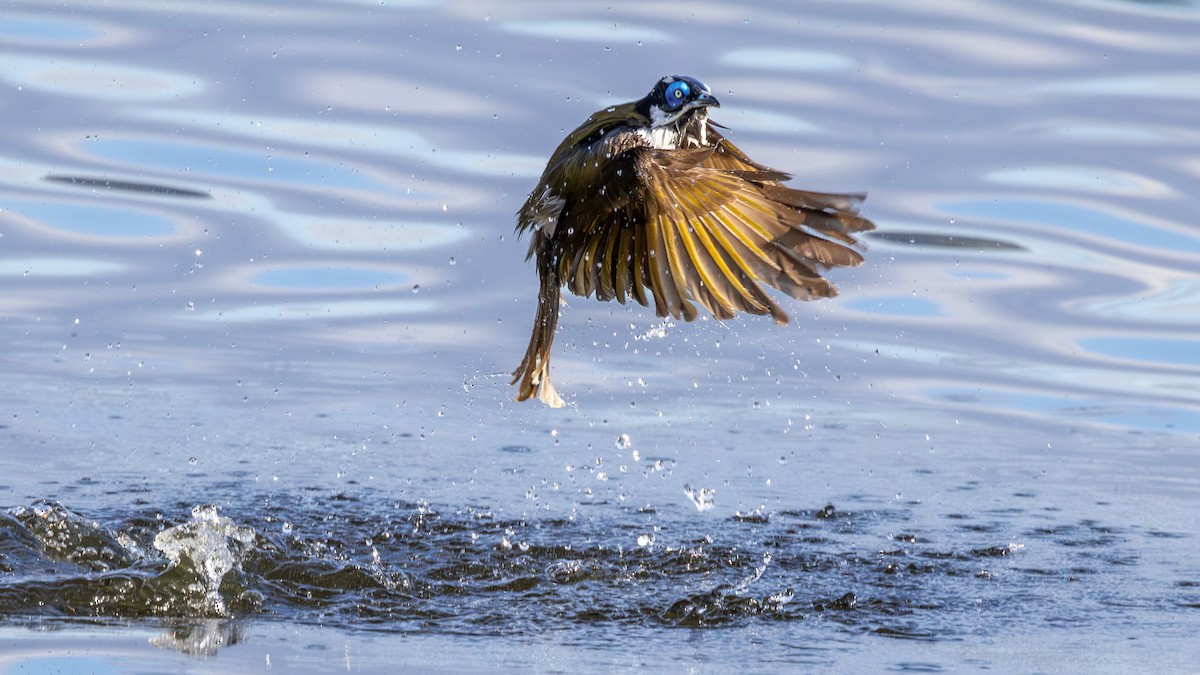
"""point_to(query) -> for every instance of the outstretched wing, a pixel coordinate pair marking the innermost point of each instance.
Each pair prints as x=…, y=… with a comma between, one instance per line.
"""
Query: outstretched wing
x=710, y=227
x=728, y=157
x=715, y=233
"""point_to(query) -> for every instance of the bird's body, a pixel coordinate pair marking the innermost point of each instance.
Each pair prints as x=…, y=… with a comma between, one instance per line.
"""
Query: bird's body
x=647, y=200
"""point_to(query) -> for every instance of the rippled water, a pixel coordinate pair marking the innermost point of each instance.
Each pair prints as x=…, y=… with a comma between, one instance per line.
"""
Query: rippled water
x=263, y=296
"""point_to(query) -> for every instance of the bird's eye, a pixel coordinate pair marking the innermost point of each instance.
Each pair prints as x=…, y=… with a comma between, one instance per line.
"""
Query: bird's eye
x=677, y=92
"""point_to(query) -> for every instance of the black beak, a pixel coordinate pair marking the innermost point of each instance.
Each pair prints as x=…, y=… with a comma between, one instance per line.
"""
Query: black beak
x=707, y=99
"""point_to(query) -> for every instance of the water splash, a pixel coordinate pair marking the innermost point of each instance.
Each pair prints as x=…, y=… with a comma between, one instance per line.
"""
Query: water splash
x=703, y=498
x=744, y=585
x=65, y=535
x=204, y=550
x=656, y=332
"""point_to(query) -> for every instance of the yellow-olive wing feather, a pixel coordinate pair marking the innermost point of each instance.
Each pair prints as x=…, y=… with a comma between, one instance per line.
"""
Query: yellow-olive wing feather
x=708, y=226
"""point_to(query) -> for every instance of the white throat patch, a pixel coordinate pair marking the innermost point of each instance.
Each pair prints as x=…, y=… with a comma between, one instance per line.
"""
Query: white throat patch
x=664, y=132
x=660, y=117
x=661, y=138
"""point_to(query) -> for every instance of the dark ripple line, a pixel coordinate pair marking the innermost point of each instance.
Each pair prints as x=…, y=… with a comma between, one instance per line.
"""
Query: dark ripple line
x=129, y=186
x=934, y=240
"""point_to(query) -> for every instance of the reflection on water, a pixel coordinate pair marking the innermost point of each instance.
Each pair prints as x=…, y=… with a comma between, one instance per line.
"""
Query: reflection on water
x=77, y=78
x=941, y=240
x=201, y=159
x=896, y=306
x=94, y=220
x=109, y=184
x=199, y=638
x=317, y=278
x=786, y=59
x=58, y=31
x=259, y=258
x=583, y=30
x=1126, y=231
x=1166, y=351
x=55, y=267
x=1081, y=179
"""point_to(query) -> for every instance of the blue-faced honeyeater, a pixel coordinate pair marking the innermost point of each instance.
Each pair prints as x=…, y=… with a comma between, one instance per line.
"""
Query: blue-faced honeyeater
x=647, y=200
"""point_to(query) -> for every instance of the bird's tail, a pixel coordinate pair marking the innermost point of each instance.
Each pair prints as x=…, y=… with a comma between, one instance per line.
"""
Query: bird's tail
x=534, y=372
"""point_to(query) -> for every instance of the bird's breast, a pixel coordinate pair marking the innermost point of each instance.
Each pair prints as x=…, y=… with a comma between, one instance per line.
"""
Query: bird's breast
x=687, y=132
x=660, y=138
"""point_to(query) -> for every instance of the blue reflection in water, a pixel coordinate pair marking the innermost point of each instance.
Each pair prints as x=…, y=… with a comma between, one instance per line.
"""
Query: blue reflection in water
x=1079, y=178
x=100, y=221
x=580, y=30
x=976, y=274
x=311, y=311
x=96, y=80
x=787, y=59
x=350, y=235
x=1076, y=218
x=386, y=140
x=1175, y=86
x=1111, y=411
x=326, y=278
x=69, y=663
x=895, y=306
x=757, y=119
x=1120, y=133
x=55, y=267
x=1177, y=301
x=1168, y=351
x=45, y=30
x=226, y=163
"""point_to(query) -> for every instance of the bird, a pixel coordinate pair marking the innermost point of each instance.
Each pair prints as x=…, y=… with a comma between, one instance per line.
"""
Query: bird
x=647, y=200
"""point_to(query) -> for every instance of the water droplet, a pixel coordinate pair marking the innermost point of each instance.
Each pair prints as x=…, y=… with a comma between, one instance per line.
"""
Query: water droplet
x=703, y=498
x=624, y=442
x=416, y=288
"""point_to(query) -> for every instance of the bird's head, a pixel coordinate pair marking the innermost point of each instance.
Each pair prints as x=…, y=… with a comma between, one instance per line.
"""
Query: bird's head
x=674, y=97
